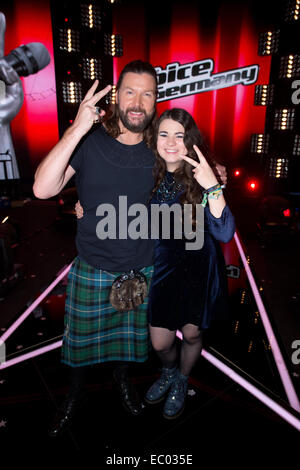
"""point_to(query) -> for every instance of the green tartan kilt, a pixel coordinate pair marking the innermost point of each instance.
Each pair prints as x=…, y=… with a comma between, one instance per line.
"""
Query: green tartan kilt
x=94, y=331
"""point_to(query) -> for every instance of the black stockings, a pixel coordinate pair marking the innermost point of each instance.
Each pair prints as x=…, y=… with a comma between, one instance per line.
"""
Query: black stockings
x=163, y=341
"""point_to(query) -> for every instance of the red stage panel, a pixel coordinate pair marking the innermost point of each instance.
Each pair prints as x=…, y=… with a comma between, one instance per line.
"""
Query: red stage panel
x=226, y=116
x=34, y=129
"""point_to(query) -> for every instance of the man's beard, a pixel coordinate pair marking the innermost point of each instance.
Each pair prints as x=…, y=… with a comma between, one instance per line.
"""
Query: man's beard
x=139, y=127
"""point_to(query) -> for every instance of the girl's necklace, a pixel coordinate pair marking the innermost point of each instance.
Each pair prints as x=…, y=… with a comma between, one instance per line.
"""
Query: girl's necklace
x=168, y=188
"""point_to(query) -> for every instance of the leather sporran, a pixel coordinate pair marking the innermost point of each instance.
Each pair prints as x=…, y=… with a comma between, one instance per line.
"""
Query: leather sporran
x=128, y=291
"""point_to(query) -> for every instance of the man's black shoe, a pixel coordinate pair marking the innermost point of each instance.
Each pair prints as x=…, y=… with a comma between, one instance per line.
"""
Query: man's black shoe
x=129, y=395
x=65, y=414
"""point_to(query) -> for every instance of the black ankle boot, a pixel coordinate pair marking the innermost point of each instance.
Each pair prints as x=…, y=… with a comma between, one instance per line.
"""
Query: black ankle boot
x=66, y=412
x=129, y=395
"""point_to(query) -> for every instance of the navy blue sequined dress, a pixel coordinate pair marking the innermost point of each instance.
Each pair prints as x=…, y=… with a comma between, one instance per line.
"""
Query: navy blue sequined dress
x=190, y=286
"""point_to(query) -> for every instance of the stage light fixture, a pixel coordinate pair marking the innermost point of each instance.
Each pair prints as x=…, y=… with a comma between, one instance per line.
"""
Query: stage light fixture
x=72, y=92
x=113, y=45
x=91, y=16
x=260, y=143
x=268, y=42
x=289, y=66
x=92, y=68
x=292, y=10
x=284, y=119
x=278, y=167
x=252, y=185
x=237, y=173
x=264, y=95
x=236, y=327
x=69, y=40
x=296, y=147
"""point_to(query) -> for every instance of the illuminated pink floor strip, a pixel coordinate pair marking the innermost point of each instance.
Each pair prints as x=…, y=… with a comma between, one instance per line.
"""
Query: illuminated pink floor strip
x=291, y=419
x=284, y=374
x=284, y=414
x=28, y=311
x=30, y=355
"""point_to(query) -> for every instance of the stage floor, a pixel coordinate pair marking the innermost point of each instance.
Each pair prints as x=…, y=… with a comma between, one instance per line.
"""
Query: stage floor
x=220, y=420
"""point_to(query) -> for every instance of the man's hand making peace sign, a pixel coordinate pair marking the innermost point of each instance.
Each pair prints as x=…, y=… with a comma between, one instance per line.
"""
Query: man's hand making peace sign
x=54, y=171
x=88, y=113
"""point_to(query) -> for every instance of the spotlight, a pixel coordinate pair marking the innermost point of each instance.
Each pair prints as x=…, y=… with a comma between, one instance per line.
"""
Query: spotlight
x=252, y=185
x=112, y=94
x=278, y=167
x=69, y=40
x=292, y=11
x=264, y=95
x=284, y=119
x=91, y=16
x=237, y=173
x=268, y=42
x=72, y=92
x=92, y=68
x=275, y=218
x=260, y=143
x=113, y=45
x=289, y=66
x=296, y=148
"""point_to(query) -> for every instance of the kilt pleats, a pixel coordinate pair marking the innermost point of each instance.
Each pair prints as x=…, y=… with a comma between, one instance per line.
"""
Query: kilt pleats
x=94, y=331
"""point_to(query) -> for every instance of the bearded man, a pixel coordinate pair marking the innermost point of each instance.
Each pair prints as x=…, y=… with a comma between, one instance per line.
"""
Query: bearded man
x=114, y=159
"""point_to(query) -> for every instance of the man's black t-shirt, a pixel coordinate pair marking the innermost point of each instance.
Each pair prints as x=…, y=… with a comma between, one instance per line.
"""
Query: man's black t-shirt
x=106, y=169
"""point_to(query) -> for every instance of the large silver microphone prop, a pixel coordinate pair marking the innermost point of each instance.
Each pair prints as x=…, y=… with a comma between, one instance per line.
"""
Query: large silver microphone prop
x=23, y=61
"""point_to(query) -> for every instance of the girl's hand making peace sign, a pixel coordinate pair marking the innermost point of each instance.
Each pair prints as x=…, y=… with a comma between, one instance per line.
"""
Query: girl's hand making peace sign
x=202, y=171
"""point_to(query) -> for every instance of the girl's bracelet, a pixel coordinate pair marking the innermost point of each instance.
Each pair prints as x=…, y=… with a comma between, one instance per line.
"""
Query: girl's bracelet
x=212, y=193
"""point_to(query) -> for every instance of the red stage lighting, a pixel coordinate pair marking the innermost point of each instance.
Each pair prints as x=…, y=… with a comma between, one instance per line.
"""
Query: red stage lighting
x=287, y=213
x=237, y=172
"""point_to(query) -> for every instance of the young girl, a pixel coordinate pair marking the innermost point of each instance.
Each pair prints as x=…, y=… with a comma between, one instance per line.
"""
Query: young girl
x=189, y=287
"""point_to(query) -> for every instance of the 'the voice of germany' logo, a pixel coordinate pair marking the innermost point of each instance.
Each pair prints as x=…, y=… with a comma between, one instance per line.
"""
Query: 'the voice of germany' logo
x=178, y=80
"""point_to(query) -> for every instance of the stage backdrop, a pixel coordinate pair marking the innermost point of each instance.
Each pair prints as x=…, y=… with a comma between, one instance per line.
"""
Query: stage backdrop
x=35, y=129
x=224, y=35
x=213, y=49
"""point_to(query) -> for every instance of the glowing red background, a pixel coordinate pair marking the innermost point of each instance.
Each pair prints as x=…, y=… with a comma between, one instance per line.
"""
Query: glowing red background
x=35, y=128
x=227, y=117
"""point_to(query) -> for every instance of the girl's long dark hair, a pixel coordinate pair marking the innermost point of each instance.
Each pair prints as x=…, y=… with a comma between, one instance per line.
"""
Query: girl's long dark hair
x=193, y=192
